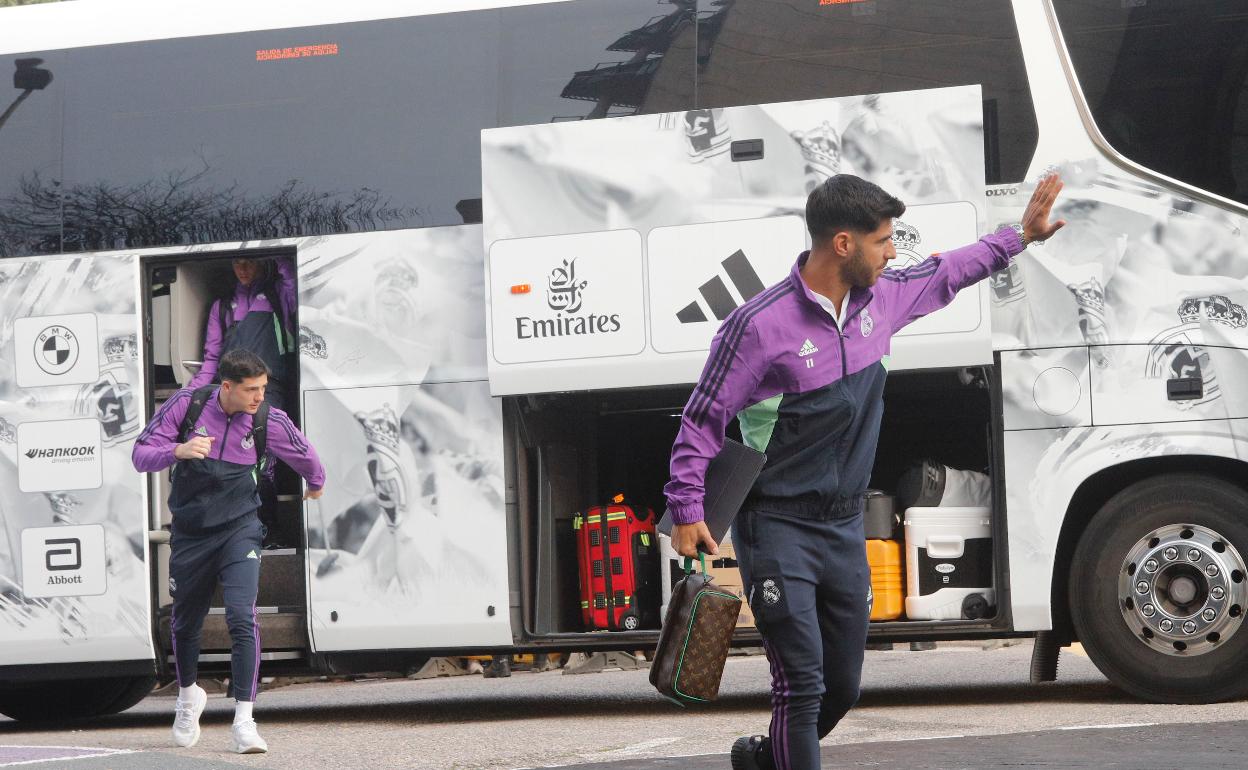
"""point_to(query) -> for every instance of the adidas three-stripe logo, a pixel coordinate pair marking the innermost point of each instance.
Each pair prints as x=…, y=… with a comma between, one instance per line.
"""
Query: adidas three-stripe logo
x=808, y=348
x=716, y=294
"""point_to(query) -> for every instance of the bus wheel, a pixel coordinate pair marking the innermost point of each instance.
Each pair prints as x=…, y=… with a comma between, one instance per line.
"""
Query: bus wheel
x=73, y=699
x=1158, y=589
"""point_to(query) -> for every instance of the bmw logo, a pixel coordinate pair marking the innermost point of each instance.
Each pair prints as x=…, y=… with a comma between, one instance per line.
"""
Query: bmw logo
x=56, y=350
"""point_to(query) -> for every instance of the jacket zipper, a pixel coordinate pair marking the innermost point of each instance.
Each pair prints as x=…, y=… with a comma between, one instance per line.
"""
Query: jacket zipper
x=841, y=336
x=229, y=419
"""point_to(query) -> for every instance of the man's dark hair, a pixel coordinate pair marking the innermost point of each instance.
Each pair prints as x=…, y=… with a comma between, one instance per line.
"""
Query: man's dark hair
x=847, y=202
x=239, y=364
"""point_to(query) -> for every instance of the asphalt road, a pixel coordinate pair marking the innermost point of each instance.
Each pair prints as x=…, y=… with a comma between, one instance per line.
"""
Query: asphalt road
x=953, y=707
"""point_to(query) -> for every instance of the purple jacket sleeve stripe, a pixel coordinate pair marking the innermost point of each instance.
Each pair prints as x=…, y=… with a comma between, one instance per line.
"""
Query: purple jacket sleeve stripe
x=165, y=408
x=730, y=337
x=292, y=447
x=701, y=435
x=293, y=436
x=917, y=291
x=153, y=450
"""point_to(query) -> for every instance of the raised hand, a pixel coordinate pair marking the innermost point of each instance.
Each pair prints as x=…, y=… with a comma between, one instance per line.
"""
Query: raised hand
x=1036, y=224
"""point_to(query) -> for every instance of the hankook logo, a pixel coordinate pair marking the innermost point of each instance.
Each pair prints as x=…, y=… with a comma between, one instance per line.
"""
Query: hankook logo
x=565, y=293
x=63, y=454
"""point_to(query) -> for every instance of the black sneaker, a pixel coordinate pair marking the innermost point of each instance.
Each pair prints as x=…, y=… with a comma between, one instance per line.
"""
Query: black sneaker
x=752, y=753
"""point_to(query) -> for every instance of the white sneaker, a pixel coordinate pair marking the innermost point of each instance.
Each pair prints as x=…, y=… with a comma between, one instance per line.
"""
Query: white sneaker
x=246, y=739
x=186, y=721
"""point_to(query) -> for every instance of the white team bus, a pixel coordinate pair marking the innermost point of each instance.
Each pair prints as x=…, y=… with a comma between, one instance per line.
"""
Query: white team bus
x=504, y=302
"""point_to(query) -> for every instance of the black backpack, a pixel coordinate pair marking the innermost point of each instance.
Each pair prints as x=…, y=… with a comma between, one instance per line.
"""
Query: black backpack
x=259, y=422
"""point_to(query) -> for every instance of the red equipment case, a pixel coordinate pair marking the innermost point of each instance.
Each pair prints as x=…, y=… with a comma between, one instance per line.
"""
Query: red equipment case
x=619, y=565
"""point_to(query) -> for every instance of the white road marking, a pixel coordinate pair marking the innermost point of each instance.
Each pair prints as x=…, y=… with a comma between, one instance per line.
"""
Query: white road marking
x=633, y=750
x=96, y=752
x=1109, y=727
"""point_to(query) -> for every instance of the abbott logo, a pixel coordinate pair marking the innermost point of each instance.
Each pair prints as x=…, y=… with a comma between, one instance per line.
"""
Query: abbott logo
x=64, y=553
x=716, y=295
x=64, y=561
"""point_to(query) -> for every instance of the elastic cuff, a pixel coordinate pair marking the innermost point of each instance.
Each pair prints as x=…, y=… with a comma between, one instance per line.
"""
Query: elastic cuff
x=1013, y=241
x=690, y=513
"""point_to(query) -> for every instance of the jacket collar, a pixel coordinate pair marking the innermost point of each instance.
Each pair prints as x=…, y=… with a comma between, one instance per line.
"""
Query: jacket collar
x=858, y=296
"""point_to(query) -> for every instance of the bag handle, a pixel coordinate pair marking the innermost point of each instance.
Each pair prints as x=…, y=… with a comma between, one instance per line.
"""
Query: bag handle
x=689, y=563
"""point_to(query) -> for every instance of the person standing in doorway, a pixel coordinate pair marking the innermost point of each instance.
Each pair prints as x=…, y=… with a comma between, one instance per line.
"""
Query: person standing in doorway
x=802, y=366
x=257, y=315
x=217, y=440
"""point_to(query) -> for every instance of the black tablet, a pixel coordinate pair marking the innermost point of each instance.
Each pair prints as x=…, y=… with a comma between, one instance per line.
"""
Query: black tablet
x=729, y=478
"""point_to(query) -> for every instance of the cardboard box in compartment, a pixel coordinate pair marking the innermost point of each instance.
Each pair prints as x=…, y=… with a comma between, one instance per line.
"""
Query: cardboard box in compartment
x=722, y=569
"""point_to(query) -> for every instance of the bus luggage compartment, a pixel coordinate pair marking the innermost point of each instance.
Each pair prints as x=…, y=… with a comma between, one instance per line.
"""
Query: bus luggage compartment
x=571, y=453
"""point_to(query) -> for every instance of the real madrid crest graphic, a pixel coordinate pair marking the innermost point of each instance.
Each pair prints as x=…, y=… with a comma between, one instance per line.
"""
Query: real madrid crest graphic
x=312, y=344
x=906, y=240
x=1090, y=297
x=381, y=428
x=110, y=398
x=56, y=350
x=771, y=592
x=1176, y=352
x=821, y=152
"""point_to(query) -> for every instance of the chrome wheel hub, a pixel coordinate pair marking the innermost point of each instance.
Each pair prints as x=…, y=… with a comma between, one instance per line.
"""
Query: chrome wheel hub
x=1182, y=589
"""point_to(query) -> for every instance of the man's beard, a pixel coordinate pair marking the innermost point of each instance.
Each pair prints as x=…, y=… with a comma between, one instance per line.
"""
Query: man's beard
x=856, y=272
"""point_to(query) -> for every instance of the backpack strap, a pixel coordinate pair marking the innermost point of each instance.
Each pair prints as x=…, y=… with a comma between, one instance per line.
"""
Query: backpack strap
x=225, y=314
x=260, y=435
x=198, y=399
x=285, y=339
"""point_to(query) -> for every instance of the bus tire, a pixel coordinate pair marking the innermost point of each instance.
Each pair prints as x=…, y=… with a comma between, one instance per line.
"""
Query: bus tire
x=132, y=694
x=73, y=699
x=1158, y=588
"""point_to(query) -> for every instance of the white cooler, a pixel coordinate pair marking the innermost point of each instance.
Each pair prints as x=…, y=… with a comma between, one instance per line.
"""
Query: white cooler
x=948, y=558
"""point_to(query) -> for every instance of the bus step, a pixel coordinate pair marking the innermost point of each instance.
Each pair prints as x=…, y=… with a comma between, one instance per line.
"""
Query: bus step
x=281, y=579
x=278, y=631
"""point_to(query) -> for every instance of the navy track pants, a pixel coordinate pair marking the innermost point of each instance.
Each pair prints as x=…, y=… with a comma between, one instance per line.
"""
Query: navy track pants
x=196, y=563
x=809, y=586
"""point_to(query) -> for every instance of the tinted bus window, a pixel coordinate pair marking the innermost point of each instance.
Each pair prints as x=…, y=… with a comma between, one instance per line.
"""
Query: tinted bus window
x=758, y=51
x=31, y=103
x=353, y=127
x=593, y=59
x=1167, y=83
